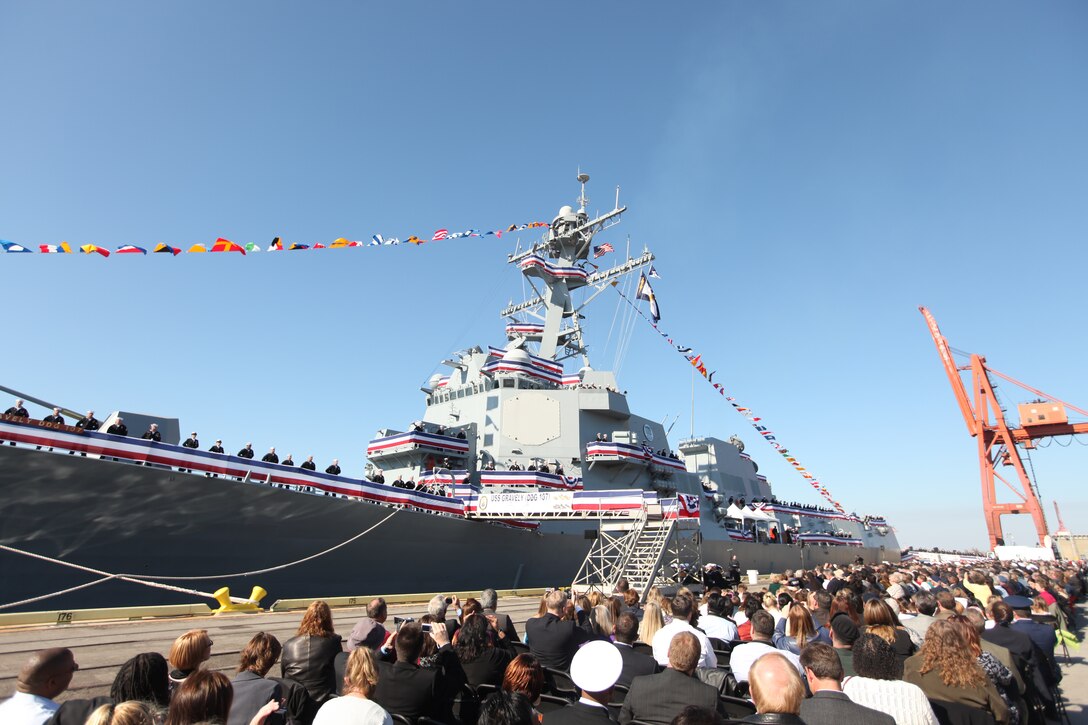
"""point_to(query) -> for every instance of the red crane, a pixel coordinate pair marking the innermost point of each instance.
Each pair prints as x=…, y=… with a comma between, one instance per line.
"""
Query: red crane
x=997, y=441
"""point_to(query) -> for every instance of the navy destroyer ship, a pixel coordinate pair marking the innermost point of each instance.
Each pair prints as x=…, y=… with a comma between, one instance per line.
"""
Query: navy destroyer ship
x=527, y=468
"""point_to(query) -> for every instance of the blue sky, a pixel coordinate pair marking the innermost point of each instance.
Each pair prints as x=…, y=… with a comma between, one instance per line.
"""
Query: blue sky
x=807, y=173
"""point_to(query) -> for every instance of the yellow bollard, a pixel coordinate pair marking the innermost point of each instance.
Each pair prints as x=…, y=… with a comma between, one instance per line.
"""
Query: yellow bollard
x=222, y=595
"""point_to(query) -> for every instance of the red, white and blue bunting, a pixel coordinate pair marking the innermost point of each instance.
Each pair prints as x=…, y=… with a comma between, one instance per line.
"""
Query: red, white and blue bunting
x=696, y=361
x=535, y=264
x=225, y=245
x=441, y=477
x=164, y=454
x=524, y=328
x=738, y=535
x=531, y=478
x=403, y=442
x=684, y=506
x=797, y=511
x=609, y=450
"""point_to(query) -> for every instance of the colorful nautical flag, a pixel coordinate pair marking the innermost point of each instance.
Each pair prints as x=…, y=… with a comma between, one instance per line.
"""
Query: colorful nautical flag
x=338, y=243
x=440, y=235
x=297, y=246
x=319, y=245
x=12, y=248
x=646, y=292
x=653, y=273
x=61, y=248
x=92, y=248
x=414, y=240
x=276, y=245
x=162, y=248
x=197, y=248
x=252, y=247
x=226, y=245
x=131, y=249
x=602, y=250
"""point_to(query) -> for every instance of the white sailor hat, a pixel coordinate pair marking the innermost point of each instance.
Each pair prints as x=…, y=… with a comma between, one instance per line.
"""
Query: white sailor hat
x=596, y=666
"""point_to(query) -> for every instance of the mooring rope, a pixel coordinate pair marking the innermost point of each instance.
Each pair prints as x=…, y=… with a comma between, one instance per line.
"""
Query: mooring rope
x=146, y=580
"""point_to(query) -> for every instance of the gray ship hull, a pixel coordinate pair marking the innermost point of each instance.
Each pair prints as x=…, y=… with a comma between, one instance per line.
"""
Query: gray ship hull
x=122, y=518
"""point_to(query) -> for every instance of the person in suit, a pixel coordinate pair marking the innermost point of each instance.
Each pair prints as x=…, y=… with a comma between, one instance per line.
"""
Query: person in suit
x=828, y=705
x=489, y=600
x=1043, y=636
x=552, y=640
x=926, y=604
x=404, y=688
x=777, y=691
x=594, y=669
x=251, y=690
x=658, y=698
x=635, y=664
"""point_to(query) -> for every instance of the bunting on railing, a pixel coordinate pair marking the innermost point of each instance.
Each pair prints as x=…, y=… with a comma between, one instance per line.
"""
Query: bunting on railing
x=225, y=245
x=696, y=361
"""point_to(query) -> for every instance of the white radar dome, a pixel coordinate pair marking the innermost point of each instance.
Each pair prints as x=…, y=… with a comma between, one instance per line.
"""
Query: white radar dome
x=516, y=356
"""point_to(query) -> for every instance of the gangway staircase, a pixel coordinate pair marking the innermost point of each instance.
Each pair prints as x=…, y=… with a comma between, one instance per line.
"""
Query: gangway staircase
x=648, y=551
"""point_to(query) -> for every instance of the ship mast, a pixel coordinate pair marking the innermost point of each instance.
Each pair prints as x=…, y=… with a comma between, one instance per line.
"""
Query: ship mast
x=558, y=263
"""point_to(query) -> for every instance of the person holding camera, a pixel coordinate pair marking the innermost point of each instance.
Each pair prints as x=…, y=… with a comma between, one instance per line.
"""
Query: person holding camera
x=405, y=688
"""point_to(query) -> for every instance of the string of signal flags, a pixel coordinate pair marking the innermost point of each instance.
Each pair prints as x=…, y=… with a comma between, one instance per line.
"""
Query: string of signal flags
x=277, y=244
x=645, y=292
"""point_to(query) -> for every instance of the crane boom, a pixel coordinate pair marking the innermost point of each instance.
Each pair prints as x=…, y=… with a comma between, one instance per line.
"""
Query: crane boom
x=952, y=371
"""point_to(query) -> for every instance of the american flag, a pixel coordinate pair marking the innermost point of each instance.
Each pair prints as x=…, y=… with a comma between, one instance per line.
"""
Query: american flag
x=602, y=250
x=440, y=235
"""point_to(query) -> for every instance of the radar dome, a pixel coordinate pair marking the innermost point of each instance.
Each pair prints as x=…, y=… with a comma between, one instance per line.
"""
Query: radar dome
x=516, y=355
x=565, y=211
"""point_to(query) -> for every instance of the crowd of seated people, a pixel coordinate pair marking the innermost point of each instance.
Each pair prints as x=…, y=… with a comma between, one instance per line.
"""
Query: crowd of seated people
x=916, y=644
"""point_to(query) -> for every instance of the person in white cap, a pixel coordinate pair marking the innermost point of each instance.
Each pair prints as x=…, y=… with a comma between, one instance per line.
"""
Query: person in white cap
x=595, y=668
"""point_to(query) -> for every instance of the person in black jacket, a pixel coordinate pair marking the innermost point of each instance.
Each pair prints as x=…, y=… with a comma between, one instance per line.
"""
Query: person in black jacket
x=658, y=698
x=482, y=661
x=552, y=640
x=334, y=469
x=119, y=428
x=191, y=441
x=217, y=448
x=55, y=418
x=152, y=433
x=635, y=664
x=308, y=656
x=271, y=456
x=405, y=688
x=287, y=461
x=17, y=410
x=88, y=422
x=308, y=464
x=252, y=690
x=246, y=452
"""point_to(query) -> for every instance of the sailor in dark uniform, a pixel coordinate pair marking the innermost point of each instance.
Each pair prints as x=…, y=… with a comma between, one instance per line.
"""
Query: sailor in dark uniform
x=152, y=433
x=88, y=422
x=191, y=441
x=271, y=456
x=308, y=464
x=246, y=452
x=334, y=469
x=119, y=428
x=55, y=418
x=17, y=410
x=399, y=483
x=217, y=448
x=287, y=461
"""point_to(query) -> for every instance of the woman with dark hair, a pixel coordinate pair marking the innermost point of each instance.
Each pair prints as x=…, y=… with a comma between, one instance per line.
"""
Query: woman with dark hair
x=751, y=605
x=204, y=696
x=482, y=661
x=947, y=670
x=798, y=631
x=524, y=675
x=507, y=708
x=308, y=656
x=878, y=684
x=880, y=619
x=252, y=690
x=843, y=603
x=144, y=678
